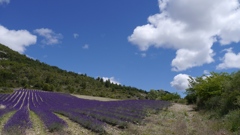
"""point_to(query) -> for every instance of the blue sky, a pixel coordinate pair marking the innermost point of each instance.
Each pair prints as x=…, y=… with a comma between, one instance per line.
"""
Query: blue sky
x=148, y=44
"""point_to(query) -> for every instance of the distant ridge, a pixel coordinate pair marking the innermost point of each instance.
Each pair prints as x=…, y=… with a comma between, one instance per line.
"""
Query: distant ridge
x=19, y=71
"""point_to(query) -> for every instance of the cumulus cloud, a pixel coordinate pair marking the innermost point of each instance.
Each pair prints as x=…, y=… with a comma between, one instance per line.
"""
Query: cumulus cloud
x=143, y=54
x=112, y=80
x=190, y=58
x=206, y=72
x=180, y=82
x=17, y=40
x=230, y=60
x=192, y=31
x=31, y=57
x=50, y=37
x=4, y=1
x=86, y=46
x=75, y=35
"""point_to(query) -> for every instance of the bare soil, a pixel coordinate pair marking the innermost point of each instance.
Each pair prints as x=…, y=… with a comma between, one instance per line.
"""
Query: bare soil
x=94, y=98
x=178, y=119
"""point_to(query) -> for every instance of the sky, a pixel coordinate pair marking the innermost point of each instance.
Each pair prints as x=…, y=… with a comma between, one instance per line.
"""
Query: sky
x=147, y=44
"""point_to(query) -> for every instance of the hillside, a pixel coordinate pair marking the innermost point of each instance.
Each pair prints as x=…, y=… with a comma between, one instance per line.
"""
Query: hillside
x=19, y=71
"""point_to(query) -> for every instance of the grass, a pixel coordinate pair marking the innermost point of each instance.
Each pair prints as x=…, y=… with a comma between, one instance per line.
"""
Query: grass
x=38, y=126
x=94, y=98
x=74, y=128
x=4, y=120
x=176, y=120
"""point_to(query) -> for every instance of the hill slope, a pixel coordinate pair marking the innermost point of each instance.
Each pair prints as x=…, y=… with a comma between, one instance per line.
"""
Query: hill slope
x=17, y=70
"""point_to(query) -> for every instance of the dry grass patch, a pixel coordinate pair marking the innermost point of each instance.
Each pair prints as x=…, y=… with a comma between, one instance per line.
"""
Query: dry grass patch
x=38, y=126
x=94, y=98
x=4, y=119
x=74, y=128
x=176, y=120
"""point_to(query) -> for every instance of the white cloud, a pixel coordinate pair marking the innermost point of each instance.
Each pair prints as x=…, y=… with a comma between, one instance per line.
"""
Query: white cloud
x=75, y=35
x=206, y=72
x=45, y=56
x=86, y=46
x=112, y=80
x=50, y=37
x=17, y=40
x=190, y=58
x=143, y=54
x=31, y=57
x=191, y=31
x=4, y=1
x=180, y=82
x=230, y=60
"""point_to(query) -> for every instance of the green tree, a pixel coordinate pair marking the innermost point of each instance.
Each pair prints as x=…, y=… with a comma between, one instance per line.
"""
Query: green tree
x=170, y=96
x=153, y=94
x=205, y=87
x=107, y=83
x=84, y=85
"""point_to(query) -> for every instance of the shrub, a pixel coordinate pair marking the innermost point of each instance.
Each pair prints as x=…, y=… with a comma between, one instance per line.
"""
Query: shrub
x=233, y=120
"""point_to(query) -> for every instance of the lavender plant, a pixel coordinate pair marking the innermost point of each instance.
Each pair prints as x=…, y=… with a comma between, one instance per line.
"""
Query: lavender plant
x=18, y=123
x=90, y=114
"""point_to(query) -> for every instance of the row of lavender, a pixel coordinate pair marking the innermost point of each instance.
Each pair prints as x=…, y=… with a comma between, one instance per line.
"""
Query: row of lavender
x=3, y=109
x=18, y=103
x=90, y=114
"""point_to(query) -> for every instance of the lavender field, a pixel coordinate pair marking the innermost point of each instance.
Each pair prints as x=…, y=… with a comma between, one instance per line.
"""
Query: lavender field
x=90, y=114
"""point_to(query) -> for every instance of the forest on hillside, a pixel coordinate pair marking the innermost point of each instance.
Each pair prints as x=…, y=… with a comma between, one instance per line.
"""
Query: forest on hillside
x=19, y=71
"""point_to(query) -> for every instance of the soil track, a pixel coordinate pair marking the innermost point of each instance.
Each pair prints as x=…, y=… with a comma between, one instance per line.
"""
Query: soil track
x=178, y=119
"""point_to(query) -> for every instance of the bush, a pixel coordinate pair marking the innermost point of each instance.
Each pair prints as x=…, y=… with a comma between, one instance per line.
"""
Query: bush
x=219, y=94
x=213, y=103
x=6, y=90
x=233, y=120
x=163, y=95
x=181, y=101
x=55, y=127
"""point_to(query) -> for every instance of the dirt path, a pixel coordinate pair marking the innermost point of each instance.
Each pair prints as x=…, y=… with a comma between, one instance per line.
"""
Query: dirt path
x=181, y=119
x=94, y=98
x=176, y=120
x=189, y=122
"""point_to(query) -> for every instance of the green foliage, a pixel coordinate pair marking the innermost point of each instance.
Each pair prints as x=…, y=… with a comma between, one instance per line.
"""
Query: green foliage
x=218, y=93
x=19, y=71
x=6, y=90
x=204, y=88
x=153, y=94
x=163, y=95
x=55, y=127
x=107, y=83
x=170, y=97
x=233, y=121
